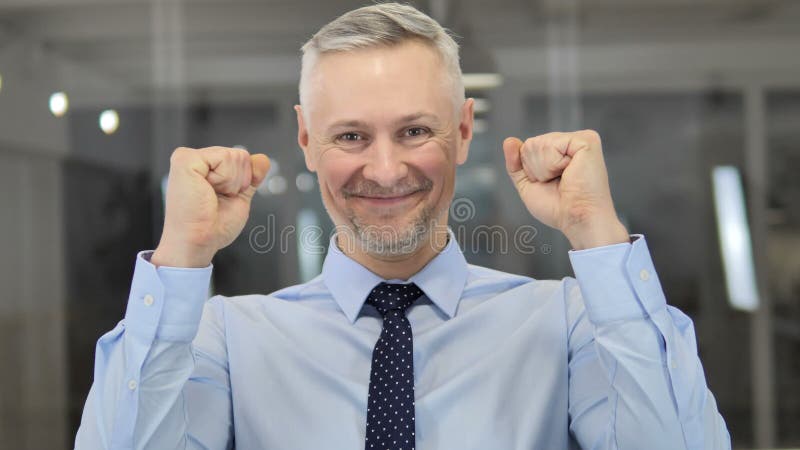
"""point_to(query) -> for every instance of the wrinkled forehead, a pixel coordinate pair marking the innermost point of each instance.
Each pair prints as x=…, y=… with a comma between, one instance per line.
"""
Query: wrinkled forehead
x=378, y=84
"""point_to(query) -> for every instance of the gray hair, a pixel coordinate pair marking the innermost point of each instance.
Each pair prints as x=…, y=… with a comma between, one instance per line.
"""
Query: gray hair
x=383, y=24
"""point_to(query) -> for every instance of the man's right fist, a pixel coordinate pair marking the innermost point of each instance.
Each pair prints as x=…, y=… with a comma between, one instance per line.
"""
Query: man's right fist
x=208, y=202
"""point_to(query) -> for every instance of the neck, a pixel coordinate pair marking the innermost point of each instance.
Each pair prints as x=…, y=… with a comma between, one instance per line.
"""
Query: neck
x=401, y=267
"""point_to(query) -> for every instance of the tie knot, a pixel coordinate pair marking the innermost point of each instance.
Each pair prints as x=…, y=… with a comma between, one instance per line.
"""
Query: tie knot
x=393, y=296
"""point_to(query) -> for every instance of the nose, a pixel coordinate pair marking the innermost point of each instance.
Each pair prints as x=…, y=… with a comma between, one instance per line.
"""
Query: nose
x=385, y=164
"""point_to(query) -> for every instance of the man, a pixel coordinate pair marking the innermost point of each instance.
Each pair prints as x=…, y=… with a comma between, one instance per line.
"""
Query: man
x=399, y=343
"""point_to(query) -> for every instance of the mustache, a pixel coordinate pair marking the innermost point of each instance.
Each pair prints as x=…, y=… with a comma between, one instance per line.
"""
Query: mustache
x=367, y=188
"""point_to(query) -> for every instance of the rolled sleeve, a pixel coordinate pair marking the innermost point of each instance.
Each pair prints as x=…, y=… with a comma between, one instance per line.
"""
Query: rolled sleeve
x=166, y=302
x=619, y=281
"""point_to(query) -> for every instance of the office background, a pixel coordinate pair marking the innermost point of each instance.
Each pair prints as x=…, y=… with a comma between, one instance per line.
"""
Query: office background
x=95, y=94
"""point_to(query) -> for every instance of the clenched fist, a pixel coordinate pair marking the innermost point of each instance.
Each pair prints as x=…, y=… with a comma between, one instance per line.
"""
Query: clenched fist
x=208, y=202
x=562, y=180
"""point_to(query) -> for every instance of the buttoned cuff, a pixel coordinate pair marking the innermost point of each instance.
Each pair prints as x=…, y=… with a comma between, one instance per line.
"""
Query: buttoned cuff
x=166, y=302
x=619, y=281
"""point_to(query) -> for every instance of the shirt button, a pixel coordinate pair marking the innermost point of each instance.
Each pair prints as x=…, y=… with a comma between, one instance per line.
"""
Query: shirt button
x=644, y=275
x=148, y=300
x=132, y=385
x=673, y=363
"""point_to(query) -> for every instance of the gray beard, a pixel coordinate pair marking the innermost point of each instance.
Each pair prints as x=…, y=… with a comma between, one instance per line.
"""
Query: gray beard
x=387, y=241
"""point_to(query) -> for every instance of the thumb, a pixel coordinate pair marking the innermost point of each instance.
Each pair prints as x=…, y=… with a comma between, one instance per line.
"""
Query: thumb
x=261, y=166
x=511, y=150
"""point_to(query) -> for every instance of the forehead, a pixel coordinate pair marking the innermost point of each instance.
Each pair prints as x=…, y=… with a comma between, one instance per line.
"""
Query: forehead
x=379, y=83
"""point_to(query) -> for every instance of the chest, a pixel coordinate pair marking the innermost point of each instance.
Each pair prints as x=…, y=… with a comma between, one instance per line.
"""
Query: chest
x=494, y=376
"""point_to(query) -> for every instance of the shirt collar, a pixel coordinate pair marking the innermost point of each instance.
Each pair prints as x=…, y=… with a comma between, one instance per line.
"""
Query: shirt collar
x=442, y=279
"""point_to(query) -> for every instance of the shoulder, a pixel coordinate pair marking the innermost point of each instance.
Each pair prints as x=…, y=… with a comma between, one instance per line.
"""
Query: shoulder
x=301, y=291
x=481, y=278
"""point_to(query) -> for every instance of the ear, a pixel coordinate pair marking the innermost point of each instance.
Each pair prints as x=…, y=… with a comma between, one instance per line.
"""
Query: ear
x=467, y=120
x=302, y=138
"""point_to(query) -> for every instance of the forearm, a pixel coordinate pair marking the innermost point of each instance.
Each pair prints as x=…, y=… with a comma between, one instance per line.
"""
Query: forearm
x=657, y=386
x=142, y=366
x=656, y=395
x=134, y=405
x=641, y=394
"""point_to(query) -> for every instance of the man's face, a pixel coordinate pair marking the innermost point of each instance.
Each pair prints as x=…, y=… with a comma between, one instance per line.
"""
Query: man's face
x=384, y=136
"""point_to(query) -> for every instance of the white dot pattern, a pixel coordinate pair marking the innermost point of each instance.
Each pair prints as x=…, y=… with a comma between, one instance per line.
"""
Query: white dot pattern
x=390, y=402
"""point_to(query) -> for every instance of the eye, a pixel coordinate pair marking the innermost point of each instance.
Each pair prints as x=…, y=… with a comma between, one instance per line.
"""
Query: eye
x=416, y=131
x=350, y=137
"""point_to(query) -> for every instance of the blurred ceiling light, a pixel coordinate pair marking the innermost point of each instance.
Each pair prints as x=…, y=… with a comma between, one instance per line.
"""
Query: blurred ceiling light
x=481, y=81
x=484, y=175
x=1, y=82
x=109, y=121
x=734, y=238
x=304, y=182
x=274, y=168
x=277, y=184
x=59, y=104
x=482, y=105
x=480, y=126
x=263, y=188
x=309, y=261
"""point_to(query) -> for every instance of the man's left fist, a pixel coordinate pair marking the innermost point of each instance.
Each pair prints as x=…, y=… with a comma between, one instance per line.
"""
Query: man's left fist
x=562, y=179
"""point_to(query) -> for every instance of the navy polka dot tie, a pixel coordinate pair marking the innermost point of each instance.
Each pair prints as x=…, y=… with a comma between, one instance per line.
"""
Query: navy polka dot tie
x=390, y=401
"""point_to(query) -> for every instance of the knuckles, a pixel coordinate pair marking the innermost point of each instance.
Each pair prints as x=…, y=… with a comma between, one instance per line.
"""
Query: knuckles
x=588, y=138
x=241, y=153
x=236, y=156
x=230, y=165
x=529, y=148
x=180, y=155
x=591, y=135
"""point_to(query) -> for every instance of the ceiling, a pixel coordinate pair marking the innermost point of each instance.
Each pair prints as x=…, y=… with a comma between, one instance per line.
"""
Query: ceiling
x=132, y=45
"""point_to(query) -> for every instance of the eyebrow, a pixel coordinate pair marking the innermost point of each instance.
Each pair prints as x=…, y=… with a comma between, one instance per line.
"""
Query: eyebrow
x=361, y=124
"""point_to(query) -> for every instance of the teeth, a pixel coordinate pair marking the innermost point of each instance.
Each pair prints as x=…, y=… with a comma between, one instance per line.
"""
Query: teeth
x=394, y=196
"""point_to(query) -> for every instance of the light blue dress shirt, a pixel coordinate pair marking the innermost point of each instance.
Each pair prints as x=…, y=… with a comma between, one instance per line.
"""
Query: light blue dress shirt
x=501, y=361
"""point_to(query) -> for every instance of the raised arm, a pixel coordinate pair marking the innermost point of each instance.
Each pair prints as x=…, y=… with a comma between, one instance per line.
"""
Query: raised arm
x=635, y=378
x=161, y=376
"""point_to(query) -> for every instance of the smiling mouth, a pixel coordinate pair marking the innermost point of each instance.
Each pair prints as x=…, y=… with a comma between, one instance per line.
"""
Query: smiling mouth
x=388, y=200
